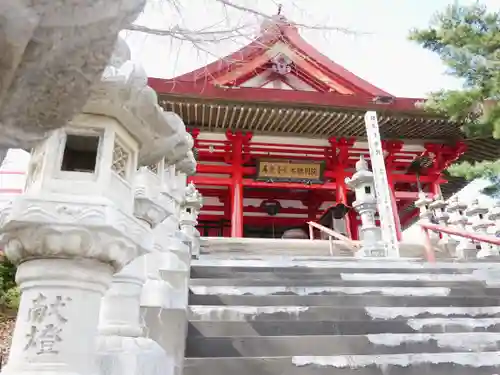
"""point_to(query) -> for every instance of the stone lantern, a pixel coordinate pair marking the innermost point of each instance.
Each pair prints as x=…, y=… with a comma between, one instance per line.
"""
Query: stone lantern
x=423, y=204
x=494, y=216
x=366, y=205
x=426, y=213
x=480, y=225
x=189, y=214
x=121, y=343
x=164, y=295
x=81, y=220
x=466, y=249
x=442, y=217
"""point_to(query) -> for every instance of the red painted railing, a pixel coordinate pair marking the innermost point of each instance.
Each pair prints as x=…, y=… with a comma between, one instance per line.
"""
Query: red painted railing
x=429, y=250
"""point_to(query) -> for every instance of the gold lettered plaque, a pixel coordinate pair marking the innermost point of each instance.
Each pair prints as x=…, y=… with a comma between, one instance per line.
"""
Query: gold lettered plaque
x=292, y=171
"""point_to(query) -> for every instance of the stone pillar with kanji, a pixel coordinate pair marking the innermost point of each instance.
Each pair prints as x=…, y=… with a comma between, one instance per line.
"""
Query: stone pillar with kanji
x=80, y=221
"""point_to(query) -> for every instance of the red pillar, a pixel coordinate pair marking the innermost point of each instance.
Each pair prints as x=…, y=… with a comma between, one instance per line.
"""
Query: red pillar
x=337, y=163
x=395, y=211
x=391, y=147
x=341, y=197
x=354, y=224
x=237, y=143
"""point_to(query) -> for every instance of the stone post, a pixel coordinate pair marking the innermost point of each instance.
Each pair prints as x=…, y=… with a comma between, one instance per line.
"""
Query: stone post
x=465, y=249
x=423, y=204
x=121, y=347
x=366, y=205
x=494, y=215
x=166, y=315
x=190, y=210
x=69, y=233
x=438, y=208
x=480, y=225
x=426, y=213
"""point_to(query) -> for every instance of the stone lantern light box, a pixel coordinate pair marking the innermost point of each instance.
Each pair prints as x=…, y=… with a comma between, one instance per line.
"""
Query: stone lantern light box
x=95, y=155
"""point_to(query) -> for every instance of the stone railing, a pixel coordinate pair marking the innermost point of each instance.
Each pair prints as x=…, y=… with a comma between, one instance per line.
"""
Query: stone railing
x=464, y=231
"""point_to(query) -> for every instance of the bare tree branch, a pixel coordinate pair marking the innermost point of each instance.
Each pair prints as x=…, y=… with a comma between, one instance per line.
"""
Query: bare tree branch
x=215, y=36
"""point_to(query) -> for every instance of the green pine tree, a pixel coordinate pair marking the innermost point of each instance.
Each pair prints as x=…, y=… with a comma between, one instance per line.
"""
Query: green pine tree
x=467, y=39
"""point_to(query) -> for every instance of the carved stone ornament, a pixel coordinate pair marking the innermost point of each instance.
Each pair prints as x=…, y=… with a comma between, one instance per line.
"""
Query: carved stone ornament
x=149, y=204
x=127, y=97
x=34, y=228
x=192, y=197
x=187, y=165
x=45, y=79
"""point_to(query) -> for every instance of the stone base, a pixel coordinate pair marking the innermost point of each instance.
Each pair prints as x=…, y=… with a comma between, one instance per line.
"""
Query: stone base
x=374, y=251
x=167, y=327
x=466, y=251
x=488, y=252
x=131, y=356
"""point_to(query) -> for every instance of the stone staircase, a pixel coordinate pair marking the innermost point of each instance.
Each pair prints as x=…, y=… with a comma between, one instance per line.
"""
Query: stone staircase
x=291, y=316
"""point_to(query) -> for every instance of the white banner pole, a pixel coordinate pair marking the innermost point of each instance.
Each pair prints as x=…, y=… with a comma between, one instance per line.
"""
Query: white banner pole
x=386, y=215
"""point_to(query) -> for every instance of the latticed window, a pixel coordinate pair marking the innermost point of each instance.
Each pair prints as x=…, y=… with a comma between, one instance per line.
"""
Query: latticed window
x=120, y=160
x=153, y=168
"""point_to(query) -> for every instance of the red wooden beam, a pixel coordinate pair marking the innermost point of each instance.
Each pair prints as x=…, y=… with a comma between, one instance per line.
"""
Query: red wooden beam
x=288, y=185
x=210, y=181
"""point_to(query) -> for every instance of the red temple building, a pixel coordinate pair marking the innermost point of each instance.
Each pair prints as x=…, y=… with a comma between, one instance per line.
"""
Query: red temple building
x=278, y=127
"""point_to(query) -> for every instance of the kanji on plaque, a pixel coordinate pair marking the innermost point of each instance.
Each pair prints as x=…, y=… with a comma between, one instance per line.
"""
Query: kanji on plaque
x=46, y=321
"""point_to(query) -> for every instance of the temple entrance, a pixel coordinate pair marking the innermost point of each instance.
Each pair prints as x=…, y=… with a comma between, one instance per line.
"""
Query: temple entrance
x=266, y=231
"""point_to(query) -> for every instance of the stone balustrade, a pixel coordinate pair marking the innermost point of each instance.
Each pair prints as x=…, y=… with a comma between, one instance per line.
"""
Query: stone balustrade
x=471, y=218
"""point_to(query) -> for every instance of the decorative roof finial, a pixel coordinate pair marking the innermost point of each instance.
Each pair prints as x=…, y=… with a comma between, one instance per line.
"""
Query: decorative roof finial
x=361, y=164
x=280, y=6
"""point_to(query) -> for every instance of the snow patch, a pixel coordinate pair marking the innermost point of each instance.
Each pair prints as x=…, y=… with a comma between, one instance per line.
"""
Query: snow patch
x=408, y=312
x=469, y=323
x=232, y=313
x=475, y=360
x=408, y=277
x=335, y=262
x=306, y=290
x=476, y=341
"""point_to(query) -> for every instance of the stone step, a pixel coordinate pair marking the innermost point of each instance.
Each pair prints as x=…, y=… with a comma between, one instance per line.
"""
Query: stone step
x=337, y=282
x=487, y=363
x=343, y=300
x=323, y=313
x=229, y=290
x=294, y=272
x=289, y=262
x=346, y=327
x=321, y=345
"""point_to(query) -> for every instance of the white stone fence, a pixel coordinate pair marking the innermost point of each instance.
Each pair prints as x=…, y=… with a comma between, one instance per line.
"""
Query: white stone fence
x=462, y=231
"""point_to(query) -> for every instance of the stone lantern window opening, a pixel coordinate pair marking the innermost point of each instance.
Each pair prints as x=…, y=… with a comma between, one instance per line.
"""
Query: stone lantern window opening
x=368, y=189
x=80, y=153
